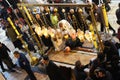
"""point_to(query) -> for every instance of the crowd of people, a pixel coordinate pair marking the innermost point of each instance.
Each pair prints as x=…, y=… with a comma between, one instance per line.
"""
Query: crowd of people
x=55, y=27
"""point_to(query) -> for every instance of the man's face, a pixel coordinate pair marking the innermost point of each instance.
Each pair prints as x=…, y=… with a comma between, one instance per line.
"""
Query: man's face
x=20, y=25
x=61, y=25
x=37, y=16
x=16, y=55
x=44, y=62
x=100, y=75
x=16, y=21
x=73, y=36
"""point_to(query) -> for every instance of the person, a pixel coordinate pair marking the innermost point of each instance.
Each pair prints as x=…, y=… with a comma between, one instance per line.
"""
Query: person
x=24, y=64
x=73, y=42
x=106, y=2
x=102, y=74
x=2, y=67
x=118, y=14
x=64, y=25
x=97, y=62
x=112, y=57
x=110, y=50
x=47, y=15
x=26, y=37
x=55, y=17
x=39, y=19
x=99, y=17
x=79, y=72
x=10, y=13
x=13, y=36
x=52, y=69
x=46, y=39
x=3, y=12
x=4, y=56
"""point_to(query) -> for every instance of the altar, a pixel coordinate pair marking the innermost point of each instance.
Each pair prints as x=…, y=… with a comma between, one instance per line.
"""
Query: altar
x=71, y=57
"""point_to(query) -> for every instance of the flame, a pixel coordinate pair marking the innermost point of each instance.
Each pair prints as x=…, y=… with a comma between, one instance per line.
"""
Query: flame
x=38, y=31
x=45, y=32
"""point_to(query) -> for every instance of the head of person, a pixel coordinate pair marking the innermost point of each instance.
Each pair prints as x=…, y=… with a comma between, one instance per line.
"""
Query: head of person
x=77, y=64
x=16, y=54
x=9, y=10
x=45, y=60
x=61, y=25
x=107, y=46
x=17, y=10
x=20, y=25
x=37, y=16
x=67, y=50
x=73, y=34
x=16, y=21
x=99, y=72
